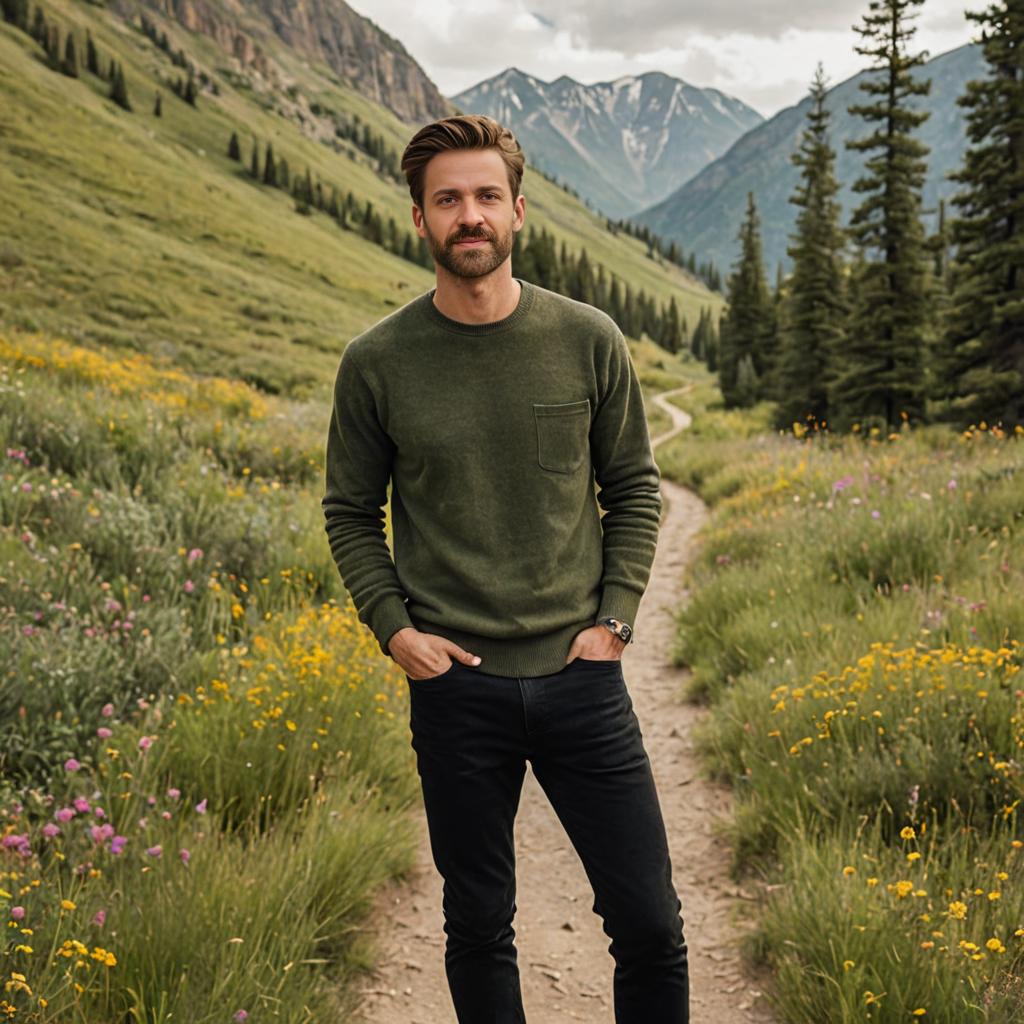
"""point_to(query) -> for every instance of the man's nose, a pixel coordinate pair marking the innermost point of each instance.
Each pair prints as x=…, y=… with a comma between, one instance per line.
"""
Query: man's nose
x=470, y=212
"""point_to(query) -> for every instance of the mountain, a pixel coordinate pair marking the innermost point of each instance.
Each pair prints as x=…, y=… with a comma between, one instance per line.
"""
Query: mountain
x=623, y=145
x=705, y=214
x=144, y=231
x=327, y=31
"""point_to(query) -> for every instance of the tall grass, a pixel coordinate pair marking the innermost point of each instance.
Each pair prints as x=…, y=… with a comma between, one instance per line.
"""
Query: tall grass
x=857, y=628
x=205, y=759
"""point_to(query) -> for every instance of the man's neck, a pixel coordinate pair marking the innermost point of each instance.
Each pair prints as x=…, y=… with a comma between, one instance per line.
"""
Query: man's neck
x=476, y=300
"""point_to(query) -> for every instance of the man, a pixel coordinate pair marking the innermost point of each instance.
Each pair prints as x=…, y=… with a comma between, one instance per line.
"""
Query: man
x=491, y=406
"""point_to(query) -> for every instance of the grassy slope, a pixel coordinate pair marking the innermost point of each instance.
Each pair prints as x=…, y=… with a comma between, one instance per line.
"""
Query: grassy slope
x=139, y=231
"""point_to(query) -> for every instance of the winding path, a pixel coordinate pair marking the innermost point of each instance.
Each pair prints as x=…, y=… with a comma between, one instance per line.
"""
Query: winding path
x=563, y=952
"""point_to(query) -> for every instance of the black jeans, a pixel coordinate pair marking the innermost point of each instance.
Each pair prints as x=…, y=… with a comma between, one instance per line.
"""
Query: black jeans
x=472, y=733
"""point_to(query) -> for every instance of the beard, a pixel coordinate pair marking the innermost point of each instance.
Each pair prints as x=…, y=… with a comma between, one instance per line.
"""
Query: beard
x=474, y=262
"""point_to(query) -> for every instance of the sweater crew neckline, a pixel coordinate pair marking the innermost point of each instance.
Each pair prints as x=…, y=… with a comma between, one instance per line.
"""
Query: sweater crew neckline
x=526, y=296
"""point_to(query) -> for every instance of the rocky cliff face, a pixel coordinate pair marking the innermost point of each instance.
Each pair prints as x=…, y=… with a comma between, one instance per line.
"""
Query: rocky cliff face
x=377, y=65
x=373, y=62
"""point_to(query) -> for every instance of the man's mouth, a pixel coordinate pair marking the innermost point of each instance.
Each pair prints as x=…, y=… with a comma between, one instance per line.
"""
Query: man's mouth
x=472, y=242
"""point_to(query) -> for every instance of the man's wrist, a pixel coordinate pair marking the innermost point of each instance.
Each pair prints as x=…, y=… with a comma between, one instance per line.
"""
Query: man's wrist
x=622, y=629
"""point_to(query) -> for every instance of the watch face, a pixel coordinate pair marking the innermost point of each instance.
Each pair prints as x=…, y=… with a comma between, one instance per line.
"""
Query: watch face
x=626, y=632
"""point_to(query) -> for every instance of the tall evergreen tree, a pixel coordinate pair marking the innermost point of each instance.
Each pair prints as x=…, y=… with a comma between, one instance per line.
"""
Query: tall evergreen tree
x=815, y=309
x=671, y=331
x=699, y=338
x=158, y=109
x=984, y=334
x=269, y=167
x=15, y=12
x=92, y=60
x=746, y=327
x=882, y=375
x=70, y=63
x=234, y=147
x=254, y=163
x=586, y=286
x=40, y=31
x=119, y=89
x=52, y=46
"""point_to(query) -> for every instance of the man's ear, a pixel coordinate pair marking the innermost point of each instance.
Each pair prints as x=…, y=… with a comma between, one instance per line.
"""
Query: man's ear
x=520, y=211
x=417, y=220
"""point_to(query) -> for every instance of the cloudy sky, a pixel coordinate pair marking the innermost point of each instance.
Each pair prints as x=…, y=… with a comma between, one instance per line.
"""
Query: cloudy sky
x=761, y=51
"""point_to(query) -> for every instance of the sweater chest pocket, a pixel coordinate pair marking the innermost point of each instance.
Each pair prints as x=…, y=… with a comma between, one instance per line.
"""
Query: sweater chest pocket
x=563, y=435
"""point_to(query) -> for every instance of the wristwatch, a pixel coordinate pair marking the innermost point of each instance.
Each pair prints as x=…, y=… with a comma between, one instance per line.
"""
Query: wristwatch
x=623, y=630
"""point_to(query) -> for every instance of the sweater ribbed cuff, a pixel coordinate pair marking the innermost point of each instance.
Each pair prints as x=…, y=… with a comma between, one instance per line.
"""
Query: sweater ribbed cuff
x=619, y=602
x=389, y=615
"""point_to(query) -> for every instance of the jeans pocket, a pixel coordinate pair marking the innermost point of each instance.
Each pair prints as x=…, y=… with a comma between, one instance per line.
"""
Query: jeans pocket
x=603, y=666
x=433, y=679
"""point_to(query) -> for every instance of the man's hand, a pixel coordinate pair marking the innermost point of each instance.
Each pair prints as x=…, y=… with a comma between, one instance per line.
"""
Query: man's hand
x=596, y=643
x=423, y=655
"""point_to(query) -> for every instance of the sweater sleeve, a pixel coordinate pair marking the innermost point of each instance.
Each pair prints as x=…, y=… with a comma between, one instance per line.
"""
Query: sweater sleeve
x=357, y=470
x=629, y=481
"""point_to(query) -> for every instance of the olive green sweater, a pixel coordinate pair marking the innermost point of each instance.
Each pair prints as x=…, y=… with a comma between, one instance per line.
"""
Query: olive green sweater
x=492, y=437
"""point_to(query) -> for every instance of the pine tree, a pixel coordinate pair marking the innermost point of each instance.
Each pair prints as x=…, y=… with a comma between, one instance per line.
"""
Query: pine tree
x=254, y=163
x=882, y=375
x=984, y=334
x=585, y=284
x=815, y=310
x=119, y=89
x=92, y=60
x=158, y=109
x=671, y=331
x=234, y=147
x=747, y=325
x=15, y=12
x=190, y=91
x=70, y=63
x=52, y=46
x=40, y=32
x=616, y=308
x=283, y=179
x=269, y=167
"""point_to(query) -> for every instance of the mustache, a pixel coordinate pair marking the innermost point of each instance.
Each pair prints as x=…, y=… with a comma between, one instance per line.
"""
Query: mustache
x=465, y=236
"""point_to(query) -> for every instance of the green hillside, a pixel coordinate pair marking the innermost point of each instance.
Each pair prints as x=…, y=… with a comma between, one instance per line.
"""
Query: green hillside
x=139, y=231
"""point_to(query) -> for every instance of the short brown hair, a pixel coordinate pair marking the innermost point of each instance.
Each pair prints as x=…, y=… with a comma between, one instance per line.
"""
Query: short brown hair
x=463, y=131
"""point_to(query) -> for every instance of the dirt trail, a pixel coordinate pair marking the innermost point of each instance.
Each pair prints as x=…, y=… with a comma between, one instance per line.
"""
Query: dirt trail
x=564, y=962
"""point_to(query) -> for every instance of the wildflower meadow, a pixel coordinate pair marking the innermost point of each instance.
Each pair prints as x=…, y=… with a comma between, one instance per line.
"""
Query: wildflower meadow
x=204, y=756
x=857, y=628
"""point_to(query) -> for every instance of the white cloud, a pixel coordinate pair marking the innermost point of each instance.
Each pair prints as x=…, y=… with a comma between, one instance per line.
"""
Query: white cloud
x=763, y=53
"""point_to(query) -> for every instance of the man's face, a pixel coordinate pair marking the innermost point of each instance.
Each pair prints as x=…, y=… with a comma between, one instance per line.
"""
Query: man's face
x=468, y=216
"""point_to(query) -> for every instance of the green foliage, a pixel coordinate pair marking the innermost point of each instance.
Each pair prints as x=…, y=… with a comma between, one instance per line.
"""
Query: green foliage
x=178, y=670
x=69, y=66
x=200, y=480
x=119, y=88
x=856, y=628
x=983, y=360
x=746, y=337
x=815, y=304
x=883, y=372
